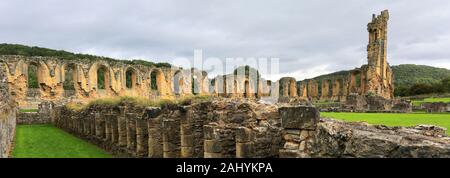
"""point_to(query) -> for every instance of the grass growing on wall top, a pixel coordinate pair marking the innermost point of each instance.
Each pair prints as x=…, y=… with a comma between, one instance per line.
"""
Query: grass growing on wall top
x=137, y=101
x=430, y=100
x=393, y=119
x=28, y=110
x=47, y=141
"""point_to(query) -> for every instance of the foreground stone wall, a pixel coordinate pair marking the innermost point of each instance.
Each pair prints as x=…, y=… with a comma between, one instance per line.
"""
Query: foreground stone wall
x=7, y=117
x=215, y=129
x=233, y=128
x=307, y=135
x=43, y=115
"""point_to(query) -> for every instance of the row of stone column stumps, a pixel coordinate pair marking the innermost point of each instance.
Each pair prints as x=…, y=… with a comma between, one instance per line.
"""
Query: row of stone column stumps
x=170, y=132
x=243, y=130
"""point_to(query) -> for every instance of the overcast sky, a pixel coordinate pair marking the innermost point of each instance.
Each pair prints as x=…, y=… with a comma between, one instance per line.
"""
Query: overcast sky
x=309, y=37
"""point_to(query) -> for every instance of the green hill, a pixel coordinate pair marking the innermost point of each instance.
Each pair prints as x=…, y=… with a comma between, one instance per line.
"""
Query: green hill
x=16, y=49
x=406, y=75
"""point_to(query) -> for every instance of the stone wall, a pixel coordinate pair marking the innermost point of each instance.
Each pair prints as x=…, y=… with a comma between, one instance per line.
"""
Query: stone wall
x=214, y=129
x=436, y=107
x=315, y=137
x=44, y=115
x=7, y=116
x=232, y=128
x=361, y=103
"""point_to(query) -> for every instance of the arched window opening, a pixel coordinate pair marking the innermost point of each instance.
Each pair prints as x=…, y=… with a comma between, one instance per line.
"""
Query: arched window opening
x=195, y=85
x=101, y=78
x=33, y=81
x=130, y=78
x=154, y=80
x=246, y=89
x=178, y=82
x=69, y=78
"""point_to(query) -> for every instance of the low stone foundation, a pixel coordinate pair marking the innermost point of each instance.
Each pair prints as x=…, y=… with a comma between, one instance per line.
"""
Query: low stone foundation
x=359, y=103
x=229, y=129
x=436, y=107
x=214, y=129
x=315, y=137
x=42, y=116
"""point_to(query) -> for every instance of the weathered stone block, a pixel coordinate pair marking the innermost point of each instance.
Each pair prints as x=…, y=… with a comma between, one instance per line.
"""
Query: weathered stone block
x=288, y=153
x=244, y=150
x=212, y=146
x=212, y=155
x=291, y=146
x=187, y=140
x=209, y=132
x=243, y=134
x=187, y=152
x=299, y=117
x=186, y=129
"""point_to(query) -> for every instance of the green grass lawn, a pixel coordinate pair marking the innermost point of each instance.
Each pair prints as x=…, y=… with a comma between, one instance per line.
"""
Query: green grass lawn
x=393, y=119
x=430, y=100
x=47, y=141
x=28, y=110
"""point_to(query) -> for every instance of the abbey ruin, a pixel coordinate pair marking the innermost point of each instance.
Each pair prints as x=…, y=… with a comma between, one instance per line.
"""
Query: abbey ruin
x=235, y=121
x=122, y=79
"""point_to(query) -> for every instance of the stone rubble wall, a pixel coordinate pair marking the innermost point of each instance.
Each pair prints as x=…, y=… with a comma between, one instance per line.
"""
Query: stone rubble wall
x=436, y=107
x=7, y=117
x=44, y=115
x=307, y=135
x=237, y=129
x=195, y=130
x=359, y=103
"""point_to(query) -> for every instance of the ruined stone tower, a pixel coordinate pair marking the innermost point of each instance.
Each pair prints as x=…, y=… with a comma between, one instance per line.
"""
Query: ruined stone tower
x=379, y=74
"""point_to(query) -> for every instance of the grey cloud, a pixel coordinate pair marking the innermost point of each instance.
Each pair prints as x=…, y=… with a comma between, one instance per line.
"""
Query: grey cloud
x=309, y=37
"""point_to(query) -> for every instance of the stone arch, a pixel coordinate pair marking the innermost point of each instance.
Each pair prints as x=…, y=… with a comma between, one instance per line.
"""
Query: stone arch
x=355, y=84
x=178, y=82
x=131, y=77
x=39, y=76
x=247, y=92
x=212, y=87
x=69, y=78
x=292, y=88
x=103, y=77
x=100, y=73
x=33, y=75
x=157, y=81
x=205, y=85
x=269, y=87
x=235, y=88
x=196, y=82
x=220, y=86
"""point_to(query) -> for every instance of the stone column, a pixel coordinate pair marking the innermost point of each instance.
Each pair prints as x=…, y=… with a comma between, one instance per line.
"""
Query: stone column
x=92, y=124
x=99, y=125
x=171, y=138
x=219, y=142
x=187, y=137
x=114, y=128
x=122, y=127
x=108, y=127
x=86, y=126
x=79, y=124
x=131, y=132
x=141, y=137
x=155, y=141
x=299, y=123
x=244, y=143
